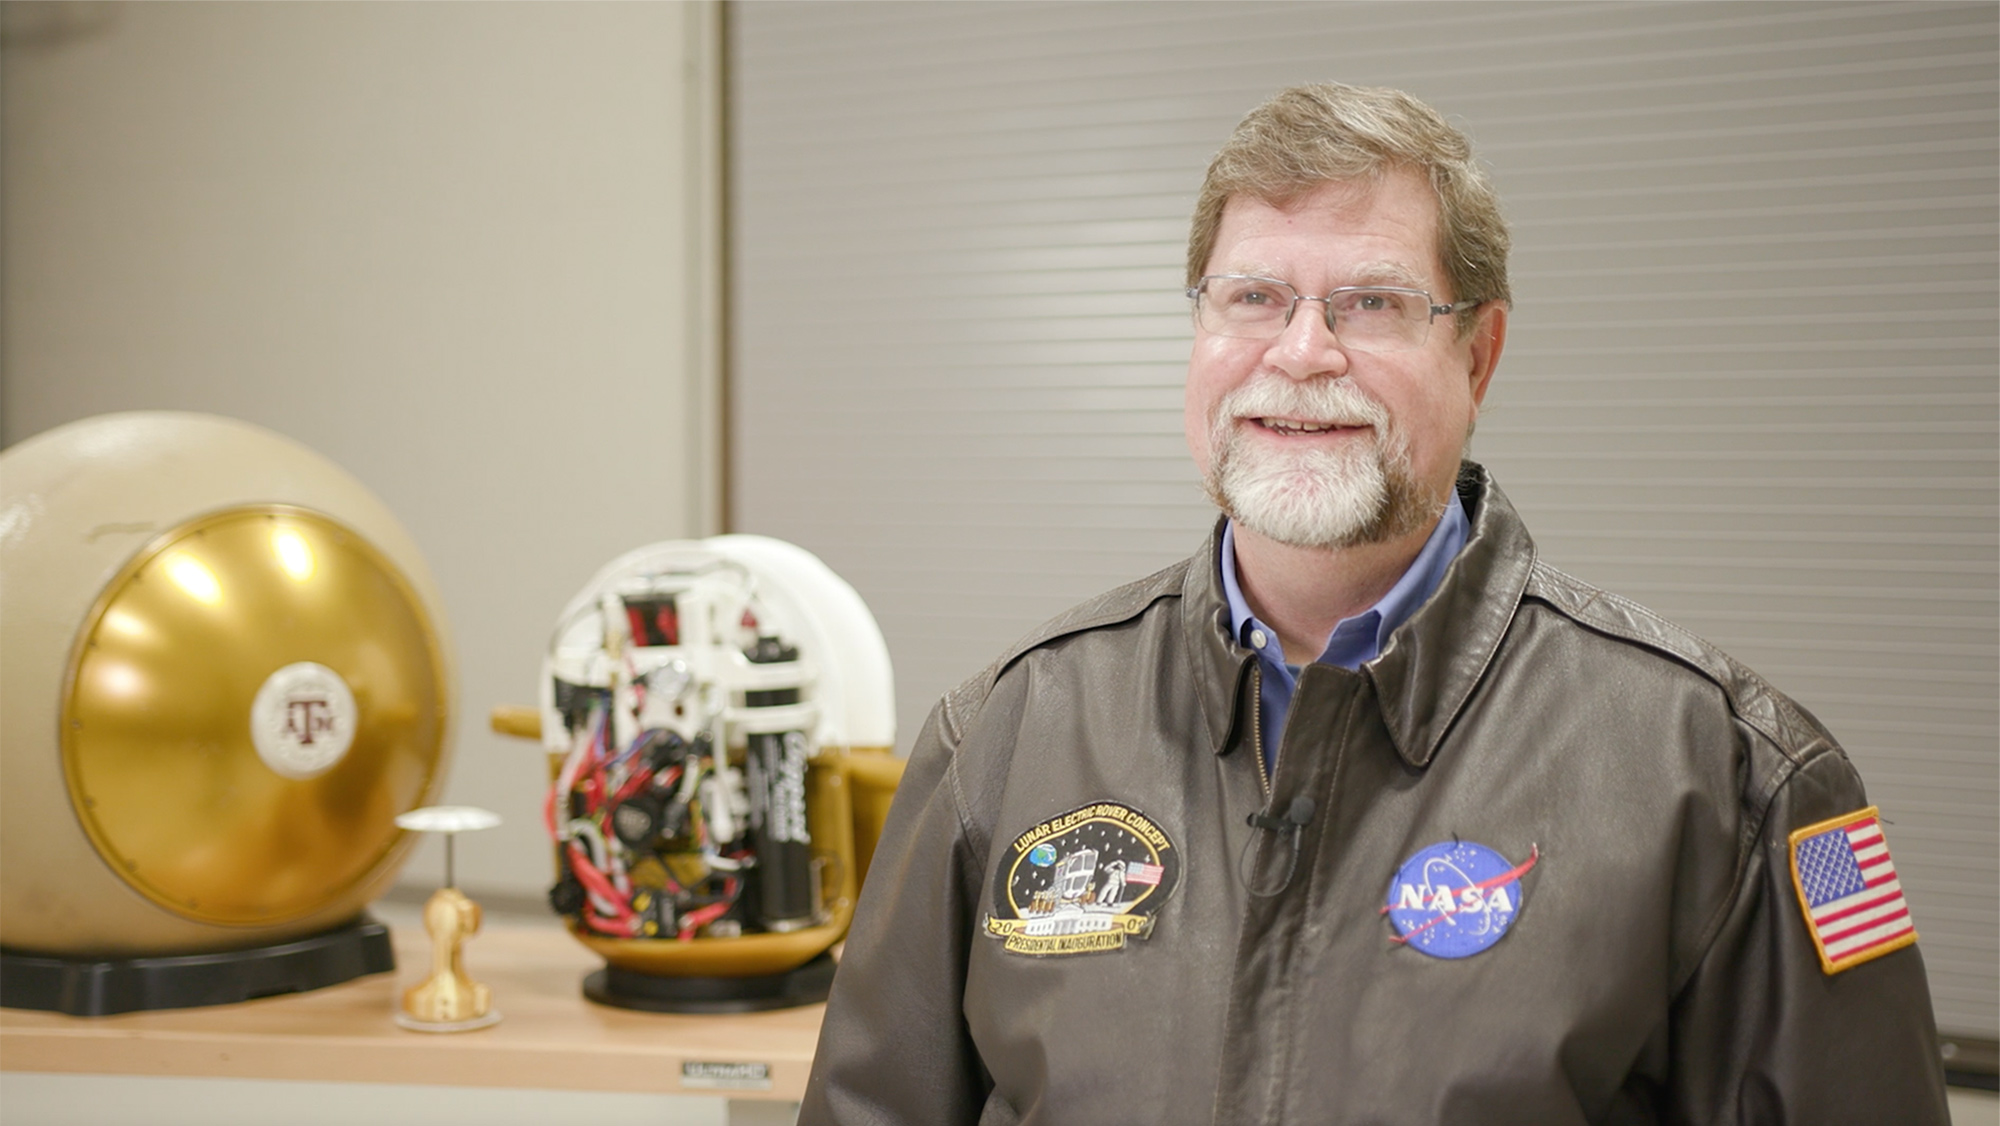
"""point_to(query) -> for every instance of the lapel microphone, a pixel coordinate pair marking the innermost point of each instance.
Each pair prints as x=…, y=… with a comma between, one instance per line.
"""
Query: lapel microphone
x=1297, y=816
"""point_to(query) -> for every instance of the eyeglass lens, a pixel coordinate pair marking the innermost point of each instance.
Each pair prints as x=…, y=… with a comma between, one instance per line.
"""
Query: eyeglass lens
x=1380, y=320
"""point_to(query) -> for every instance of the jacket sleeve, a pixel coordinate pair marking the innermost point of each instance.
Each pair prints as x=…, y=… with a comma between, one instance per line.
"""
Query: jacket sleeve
x=894, y=1047
x=1763, y=1036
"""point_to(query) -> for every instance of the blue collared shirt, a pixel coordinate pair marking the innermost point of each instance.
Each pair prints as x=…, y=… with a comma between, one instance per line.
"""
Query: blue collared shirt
x=1353, y=642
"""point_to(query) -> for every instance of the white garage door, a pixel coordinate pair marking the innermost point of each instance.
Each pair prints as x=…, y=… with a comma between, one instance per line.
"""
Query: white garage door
x=1751, y=382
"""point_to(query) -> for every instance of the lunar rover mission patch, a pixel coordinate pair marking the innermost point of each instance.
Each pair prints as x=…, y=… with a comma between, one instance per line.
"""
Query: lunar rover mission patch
x=1086, y=881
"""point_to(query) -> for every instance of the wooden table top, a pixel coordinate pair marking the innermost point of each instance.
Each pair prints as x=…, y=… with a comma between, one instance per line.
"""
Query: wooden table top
x=550, y=1037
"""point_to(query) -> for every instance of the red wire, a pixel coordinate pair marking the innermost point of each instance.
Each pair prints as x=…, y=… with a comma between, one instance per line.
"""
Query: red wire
x=702, y=916
x=633, y=784
x=611, y=927
x=596, y=881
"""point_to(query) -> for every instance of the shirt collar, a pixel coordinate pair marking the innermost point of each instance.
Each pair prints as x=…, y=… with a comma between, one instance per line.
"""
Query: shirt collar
x=1352, y=643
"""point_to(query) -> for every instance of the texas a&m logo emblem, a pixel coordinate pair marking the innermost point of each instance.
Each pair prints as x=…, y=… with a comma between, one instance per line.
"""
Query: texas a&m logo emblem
x=302, y=721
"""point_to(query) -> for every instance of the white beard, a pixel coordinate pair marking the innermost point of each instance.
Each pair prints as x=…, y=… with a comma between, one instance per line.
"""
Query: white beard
x=1363, y=492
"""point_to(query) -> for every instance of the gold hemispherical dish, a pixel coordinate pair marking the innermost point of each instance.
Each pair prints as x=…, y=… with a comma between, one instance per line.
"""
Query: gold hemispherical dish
x=255, y=696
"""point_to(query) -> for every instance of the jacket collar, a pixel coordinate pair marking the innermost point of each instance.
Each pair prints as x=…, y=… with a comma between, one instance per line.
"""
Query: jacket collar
x=1222, y=666
x=1431, y=663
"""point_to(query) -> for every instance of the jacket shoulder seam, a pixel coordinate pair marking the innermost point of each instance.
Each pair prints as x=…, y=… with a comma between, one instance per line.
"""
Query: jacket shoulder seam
x=949, y=732
x=1786, y=729
x=1797, y=743
x=1120, y=604
x=1756, y=816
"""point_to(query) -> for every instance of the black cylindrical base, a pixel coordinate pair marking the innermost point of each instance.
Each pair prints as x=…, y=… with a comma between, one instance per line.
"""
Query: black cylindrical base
x=658, y=993
x=94, y=987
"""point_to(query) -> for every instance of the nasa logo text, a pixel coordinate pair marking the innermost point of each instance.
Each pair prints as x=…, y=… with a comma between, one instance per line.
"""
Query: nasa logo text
x=1456, y=898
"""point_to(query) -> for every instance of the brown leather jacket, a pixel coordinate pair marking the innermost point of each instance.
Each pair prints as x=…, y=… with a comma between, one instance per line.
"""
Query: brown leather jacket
x=1653, y=965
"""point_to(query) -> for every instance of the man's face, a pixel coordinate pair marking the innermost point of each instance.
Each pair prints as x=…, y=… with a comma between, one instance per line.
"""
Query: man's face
x=1314, y=444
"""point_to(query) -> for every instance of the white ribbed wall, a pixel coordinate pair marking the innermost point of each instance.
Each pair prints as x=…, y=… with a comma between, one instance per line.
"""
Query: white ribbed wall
x=1751, y=381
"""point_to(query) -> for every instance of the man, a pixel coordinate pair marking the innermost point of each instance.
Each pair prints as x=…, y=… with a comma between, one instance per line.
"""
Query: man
x=1363, y=813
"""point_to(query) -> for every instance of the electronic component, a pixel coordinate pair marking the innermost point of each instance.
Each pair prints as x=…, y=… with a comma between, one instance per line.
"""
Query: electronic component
x=687, y=723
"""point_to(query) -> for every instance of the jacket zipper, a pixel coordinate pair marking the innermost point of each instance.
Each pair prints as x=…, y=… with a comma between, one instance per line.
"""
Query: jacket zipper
x=1257, y=731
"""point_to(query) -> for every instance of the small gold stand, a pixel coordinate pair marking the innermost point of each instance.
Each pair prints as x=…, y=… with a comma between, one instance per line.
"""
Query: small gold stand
x=448, y=1000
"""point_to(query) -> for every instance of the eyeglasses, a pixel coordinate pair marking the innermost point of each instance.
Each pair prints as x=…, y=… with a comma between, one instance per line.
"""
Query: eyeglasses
x=1367, y=318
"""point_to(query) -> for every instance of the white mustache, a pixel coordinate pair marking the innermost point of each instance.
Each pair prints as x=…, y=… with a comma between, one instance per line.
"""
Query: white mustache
x=1333, y=401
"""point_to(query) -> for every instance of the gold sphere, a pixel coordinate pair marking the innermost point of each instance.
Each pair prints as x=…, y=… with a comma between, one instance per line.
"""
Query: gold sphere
x=223, y=673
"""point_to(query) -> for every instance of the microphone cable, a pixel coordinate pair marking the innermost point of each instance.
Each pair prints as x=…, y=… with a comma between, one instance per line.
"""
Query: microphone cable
x=1296, y=817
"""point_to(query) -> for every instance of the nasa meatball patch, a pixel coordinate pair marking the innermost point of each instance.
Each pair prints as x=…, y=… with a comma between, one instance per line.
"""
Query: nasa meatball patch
x=1456, y=898
x=1084, y=882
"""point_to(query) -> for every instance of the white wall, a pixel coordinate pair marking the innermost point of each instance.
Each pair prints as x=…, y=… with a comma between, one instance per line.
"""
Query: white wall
x=1749, y=377
x=457, y=248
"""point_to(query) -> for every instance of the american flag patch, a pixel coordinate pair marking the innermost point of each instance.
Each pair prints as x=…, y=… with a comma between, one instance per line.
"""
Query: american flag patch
x=1848, y=890
x=1141, y=873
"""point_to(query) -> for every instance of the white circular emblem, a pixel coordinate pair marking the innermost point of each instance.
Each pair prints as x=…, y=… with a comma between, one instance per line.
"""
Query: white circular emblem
x=302, y=721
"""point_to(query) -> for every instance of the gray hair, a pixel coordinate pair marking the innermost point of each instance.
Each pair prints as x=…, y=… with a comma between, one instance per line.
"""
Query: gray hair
x=1311, y=135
